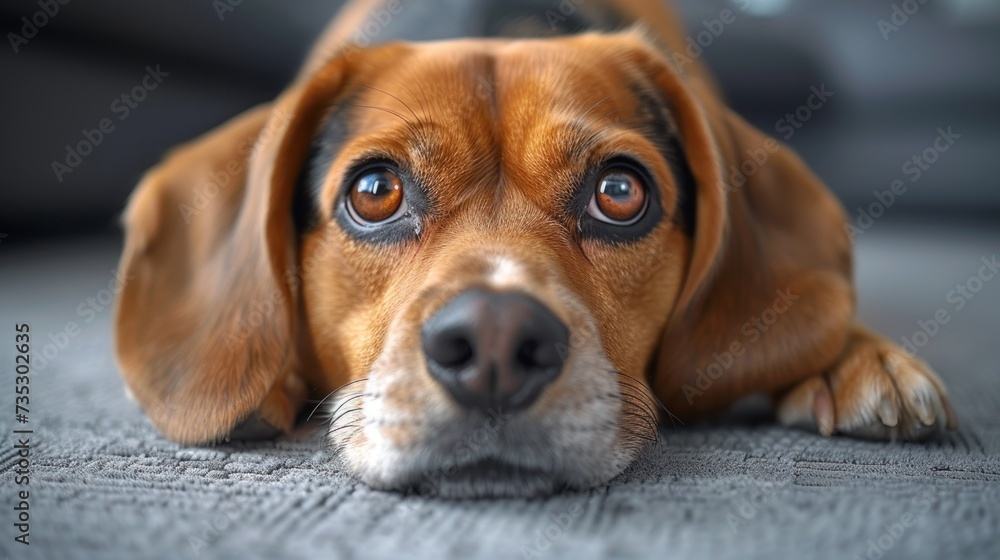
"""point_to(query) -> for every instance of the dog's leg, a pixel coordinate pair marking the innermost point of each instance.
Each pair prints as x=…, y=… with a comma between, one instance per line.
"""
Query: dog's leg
x=874, y=391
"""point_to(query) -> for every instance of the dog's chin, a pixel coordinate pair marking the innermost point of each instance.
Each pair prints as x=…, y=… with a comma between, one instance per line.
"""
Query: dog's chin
x=486, y=478
x=522, y=468
x=479, y=457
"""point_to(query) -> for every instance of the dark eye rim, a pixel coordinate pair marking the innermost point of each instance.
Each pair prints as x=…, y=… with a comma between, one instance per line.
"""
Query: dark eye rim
x=397, y=229
x=591, y=228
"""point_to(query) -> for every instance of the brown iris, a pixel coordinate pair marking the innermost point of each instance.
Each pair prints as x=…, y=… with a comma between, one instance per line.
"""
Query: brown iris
x=619, y=198
x=377, y=196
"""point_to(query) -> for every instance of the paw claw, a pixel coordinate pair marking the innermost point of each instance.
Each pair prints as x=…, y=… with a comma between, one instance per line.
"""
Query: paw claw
x=888, y=413
x=921, y=403
x=823, y=410
x=875, y=392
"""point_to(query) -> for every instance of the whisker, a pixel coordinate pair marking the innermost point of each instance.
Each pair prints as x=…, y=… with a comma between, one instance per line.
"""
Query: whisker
x=595, y=105
x=332, y=393
x=642, y=398
x=635, y=384
x=640, y=404
x=596, y=136
x=649, y=438
x=674, y=419
x=643, y=437
x=645, y=425
x=347, y=400
x=343, y=414
x=649, y=421
x=639, y=386
x=337, y=429
x=422, y=100
x=403, y=103
x=413, y=129
x=336, y=445
x=588, y=140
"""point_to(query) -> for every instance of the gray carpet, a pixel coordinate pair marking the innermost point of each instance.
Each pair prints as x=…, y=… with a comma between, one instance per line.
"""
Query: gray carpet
x=105, y=485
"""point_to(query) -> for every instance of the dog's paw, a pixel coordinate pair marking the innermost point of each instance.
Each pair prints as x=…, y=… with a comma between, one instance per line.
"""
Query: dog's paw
x=876, y=391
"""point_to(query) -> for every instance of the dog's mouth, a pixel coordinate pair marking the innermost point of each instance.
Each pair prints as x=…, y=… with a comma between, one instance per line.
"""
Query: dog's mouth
x=490, y=457
x=458, y=425
x=484, y=478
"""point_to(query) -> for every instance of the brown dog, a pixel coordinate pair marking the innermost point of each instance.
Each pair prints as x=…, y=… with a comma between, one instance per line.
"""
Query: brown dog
x=528, y=243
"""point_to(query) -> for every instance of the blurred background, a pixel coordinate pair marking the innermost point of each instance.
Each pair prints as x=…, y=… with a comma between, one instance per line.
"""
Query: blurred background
x=872, y=93
x=877, y=95
x=898, y=71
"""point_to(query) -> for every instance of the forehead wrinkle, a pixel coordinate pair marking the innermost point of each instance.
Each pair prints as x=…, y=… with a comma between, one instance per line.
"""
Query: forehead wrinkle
x=411, y=120
x=464, y=155
x=423, y=92
x=545, y=90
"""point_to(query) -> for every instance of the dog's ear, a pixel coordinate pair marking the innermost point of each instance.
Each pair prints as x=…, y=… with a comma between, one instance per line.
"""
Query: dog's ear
x=767, y=297
x=205, y=324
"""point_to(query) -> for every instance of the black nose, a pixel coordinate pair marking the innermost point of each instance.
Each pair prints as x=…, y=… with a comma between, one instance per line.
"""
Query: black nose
x=495, y=350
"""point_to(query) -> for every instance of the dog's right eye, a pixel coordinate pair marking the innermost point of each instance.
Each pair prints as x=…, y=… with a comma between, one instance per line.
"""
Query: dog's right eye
x=619, y=198
x=376, y=197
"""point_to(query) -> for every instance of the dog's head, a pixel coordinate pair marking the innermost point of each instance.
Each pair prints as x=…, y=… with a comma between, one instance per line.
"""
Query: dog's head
x=489, y=246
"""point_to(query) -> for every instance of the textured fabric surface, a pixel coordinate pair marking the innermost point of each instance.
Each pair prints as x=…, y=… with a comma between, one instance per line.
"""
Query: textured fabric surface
x=104, y=484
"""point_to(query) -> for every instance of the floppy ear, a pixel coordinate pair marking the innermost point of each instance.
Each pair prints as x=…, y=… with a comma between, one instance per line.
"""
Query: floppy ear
x=206, y=321
x=767, y=299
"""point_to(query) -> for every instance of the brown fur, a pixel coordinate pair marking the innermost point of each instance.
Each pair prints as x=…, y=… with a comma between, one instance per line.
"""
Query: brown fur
x=226, y=316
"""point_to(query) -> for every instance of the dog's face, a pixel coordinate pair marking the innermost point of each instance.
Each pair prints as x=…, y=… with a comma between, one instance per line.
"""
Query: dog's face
x=490, y=255
x=494, y=241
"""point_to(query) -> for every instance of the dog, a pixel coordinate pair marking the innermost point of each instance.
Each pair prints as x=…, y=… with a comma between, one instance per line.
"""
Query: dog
x=504, y=259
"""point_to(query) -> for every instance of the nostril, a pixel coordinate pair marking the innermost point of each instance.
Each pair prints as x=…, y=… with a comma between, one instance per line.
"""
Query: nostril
x=451, y=350
x=538, y=353
x=527, y=354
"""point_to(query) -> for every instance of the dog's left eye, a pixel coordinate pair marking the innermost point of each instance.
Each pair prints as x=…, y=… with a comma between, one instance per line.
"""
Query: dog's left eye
x=619, y=198
x=376, y=197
